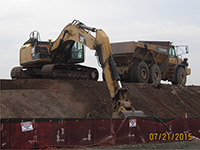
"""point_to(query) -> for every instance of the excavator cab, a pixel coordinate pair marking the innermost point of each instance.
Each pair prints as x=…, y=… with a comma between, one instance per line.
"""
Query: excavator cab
x=37, y=52
x=73, y=53
x=77, y=53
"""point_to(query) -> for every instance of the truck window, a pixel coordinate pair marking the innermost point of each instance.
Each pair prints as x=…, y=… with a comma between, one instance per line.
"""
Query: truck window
x=172, y=52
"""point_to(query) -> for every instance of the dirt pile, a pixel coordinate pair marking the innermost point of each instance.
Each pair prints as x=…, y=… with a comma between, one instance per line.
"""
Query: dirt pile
x=78, y=99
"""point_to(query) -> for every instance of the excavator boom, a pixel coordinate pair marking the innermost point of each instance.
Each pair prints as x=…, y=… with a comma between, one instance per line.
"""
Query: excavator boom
x=78, y=32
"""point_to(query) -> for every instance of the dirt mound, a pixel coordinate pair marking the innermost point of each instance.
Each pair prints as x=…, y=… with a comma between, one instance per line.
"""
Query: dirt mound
x=78, y=99
x=167, y=101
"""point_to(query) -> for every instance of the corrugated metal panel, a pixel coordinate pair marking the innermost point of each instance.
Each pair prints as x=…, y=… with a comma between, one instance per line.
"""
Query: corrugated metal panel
x=67, y=133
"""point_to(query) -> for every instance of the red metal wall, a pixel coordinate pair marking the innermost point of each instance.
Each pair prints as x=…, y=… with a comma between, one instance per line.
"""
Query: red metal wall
x=73, y=133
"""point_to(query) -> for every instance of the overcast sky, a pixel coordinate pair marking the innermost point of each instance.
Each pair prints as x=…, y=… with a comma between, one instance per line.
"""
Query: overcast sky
x=122, y=20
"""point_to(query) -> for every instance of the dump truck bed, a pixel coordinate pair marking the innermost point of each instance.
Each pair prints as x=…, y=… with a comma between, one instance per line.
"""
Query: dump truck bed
x=125, y=52
x=130, y=47
x=123, y=47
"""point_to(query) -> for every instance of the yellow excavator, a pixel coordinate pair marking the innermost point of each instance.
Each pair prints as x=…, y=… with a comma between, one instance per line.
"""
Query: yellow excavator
x=58, y=59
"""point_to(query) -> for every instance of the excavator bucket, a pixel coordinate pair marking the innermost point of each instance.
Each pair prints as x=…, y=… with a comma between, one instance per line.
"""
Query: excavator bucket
x=135, y=114
x=130, y=114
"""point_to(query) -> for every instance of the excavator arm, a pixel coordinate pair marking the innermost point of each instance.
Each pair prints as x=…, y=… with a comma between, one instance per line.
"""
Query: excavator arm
x=78, y=32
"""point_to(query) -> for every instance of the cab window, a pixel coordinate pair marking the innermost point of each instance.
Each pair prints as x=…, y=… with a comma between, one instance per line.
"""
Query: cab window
x=77, y=51
x=172, y=52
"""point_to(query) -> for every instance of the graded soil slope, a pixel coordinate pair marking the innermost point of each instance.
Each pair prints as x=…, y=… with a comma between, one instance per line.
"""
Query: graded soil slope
x=37, y=98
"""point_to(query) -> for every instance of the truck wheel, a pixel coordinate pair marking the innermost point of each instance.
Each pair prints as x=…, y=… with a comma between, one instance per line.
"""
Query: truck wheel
x=181, y=76
x=139, y=72
x=155, y=74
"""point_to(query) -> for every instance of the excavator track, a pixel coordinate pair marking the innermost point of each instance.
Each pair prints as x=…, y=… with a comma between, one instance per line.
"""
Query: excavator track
x=19, y=73
x=72, y=72
x=56, y=71
x=16, y=72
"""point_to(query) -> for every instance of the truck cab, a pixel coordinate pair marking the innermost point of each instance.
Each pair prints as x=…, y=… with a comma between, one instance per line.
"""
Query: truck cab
x=178, y=67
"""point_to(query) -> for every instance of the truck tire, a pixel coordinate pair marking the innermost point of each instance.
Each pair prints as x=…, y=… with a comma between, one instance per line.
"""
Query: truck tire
x=155, y=74
x=139, y=72
x=181, y=77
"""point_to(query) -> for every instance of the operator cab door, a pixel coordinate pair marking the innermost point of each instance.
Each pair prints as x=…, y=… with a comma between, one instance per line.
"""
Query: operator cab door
x=77, y=53
x=74, y=53
x=172, y=61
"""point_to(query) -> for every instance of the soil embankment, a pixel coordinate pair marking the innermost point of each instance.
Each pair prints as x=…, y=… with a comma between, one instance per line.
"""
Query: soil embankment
x=39, y=98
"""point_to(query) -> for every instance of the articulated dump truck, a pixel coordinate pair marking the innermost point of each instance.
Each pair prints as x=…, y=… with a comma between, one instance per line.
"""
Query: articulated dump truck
x=150, y=62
